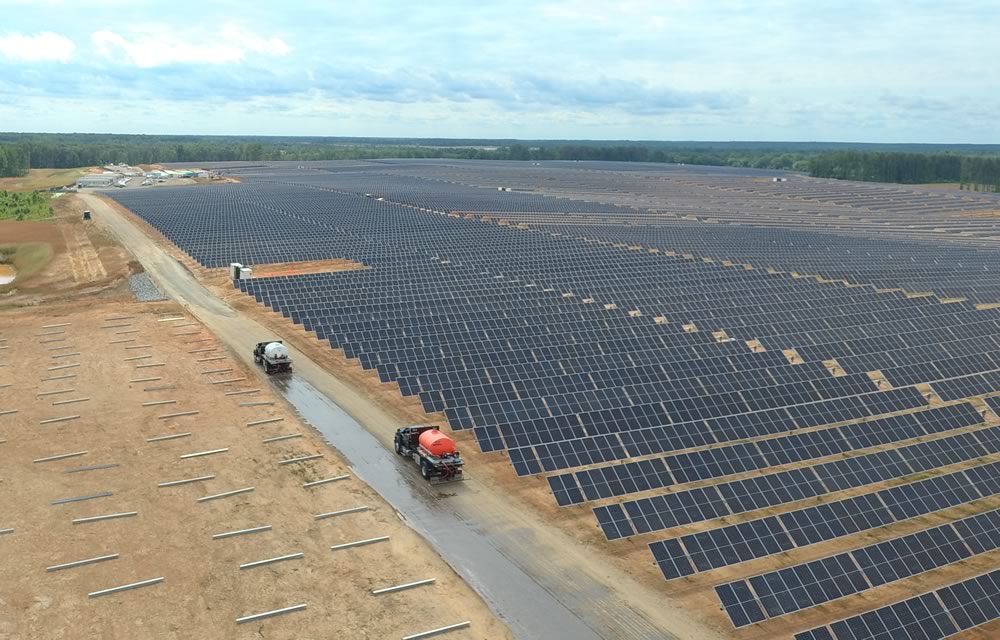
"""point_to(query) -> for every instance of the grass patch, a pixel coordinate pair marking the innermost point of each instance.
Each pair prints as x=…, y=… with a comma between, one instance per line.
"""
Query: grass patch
x=28, y=259
x=43, y=179
x=32, y=205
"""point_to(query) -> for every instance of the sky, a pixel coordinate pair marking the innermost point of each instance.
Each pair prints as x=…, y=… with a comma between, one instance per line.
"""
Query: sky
x=842, y=70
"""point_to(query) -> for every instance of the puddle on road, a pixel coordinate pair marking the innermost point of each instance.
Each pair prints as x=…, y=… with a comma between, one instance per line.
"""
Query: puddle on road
x=7, y=274
x=529, y=609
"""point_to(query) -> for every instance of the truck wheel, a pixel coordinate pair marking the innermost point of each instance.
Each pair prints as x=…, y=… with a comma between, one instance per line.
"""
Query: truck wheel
x=425, y=470
x=399, y=447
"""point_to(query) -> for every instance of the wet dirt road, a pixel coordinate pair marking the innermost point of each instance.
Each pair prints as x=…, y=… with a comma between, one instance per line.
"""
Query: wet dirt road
x=535, y=578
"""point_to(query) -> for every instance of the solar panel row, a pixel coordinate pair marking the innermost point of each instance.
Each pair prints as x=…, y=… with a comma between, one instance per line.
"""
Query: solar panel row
x=634, y=477
x=806, y=585
x=740, y=496
x=930, y=616
x=745, y=541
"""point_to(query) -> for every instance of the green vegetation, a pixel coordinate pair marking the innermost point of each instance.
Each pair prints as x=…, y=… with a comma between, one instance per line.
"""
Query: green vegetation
x=32, y=205
x=28, y=258
x=981, y=174
x=976, y=173
x=977, y=167
x=906, y=168
x=15, y=160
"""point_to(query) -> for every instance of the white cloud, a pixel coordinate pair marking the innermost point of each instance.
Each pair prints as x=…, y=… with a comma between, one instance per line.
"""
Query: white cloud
x=253, y=42
x=157, y=49
x=40, y=47
x=642, y=15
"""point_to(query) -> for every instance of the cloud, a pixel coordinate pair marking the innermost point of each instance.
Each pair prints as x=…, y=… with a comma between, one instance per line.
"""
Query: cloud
x=535, y=68
x=40, y=47
x=629, y=95
x=530, y=90
x=919, y=104
x=157, y=49
x=252, y=42
x=634, y=14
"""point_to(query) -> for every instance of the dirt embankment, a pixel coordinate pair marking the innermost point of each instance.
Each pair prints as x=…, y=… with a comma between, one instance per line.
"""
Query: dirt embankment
x=106, y=399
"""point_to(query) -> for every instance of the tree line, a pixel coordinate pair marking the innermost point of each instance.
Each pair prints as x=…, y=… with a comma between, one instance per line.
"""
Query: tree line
x=68, y=152
x=976, y=173
x=15, y=160
x=977, y=167
x=981, y=173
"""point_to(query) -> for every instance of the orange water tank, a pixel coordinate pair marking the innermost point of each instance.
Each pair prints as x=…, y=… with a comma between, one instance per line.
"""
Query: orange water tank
x=437, y=443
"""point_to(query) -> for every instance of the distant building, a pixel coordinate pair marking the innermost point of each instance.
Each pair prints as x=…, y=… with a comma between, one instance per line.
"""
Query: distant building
x=96, y=181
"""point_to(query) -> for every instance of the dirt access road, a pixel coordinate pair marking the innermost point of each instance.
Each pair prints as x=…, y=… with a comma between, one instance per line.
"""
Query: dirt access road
x=538, y=579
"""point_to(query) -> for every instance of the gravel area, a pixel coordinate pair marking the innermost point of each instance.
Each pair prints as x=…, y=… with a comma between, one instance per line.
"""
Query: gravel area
x=144, y=289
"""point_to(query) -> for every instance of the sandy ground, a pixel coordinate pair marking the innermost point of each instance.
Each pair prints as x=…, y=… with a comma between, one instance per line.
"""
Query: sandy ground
x=291, y=269
x=103, y=358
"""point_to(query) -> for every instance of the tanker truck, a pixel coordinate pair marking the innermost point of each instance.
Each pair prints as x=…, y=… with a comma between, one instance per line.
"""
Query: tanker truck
x=273, y=356
x=435, y=452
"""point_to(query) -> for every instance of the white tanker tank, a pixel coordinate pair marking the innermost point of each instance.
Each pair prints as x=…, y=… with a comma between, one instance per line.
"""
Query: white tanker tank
x=276, y=351
x=273, y=356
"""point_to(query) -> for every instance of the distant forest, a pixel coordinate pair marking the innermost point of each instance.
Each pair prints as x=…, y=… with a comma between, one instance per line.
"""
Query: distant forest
x=976, y=167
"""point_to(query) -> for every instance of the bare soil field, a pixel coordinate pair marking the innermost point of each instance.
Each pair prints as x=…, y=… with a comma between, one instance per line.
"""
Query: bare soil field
x=299, y=268
x=85, y=259
x=99, y=401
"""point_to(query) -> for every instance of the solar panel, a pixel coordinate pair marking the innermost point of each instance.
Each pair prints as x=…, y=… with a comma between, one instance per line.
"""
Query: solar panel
x=930, y=616
x=813, y=583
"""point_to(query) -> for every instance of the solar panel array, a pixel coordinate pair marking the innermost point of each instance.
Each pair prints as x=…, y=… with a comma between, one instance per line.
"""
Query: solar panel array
x=726, y=368
x=930, y=616
x=813, y=583
x=682, y=507
x=615, y=480
x=733, y=544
